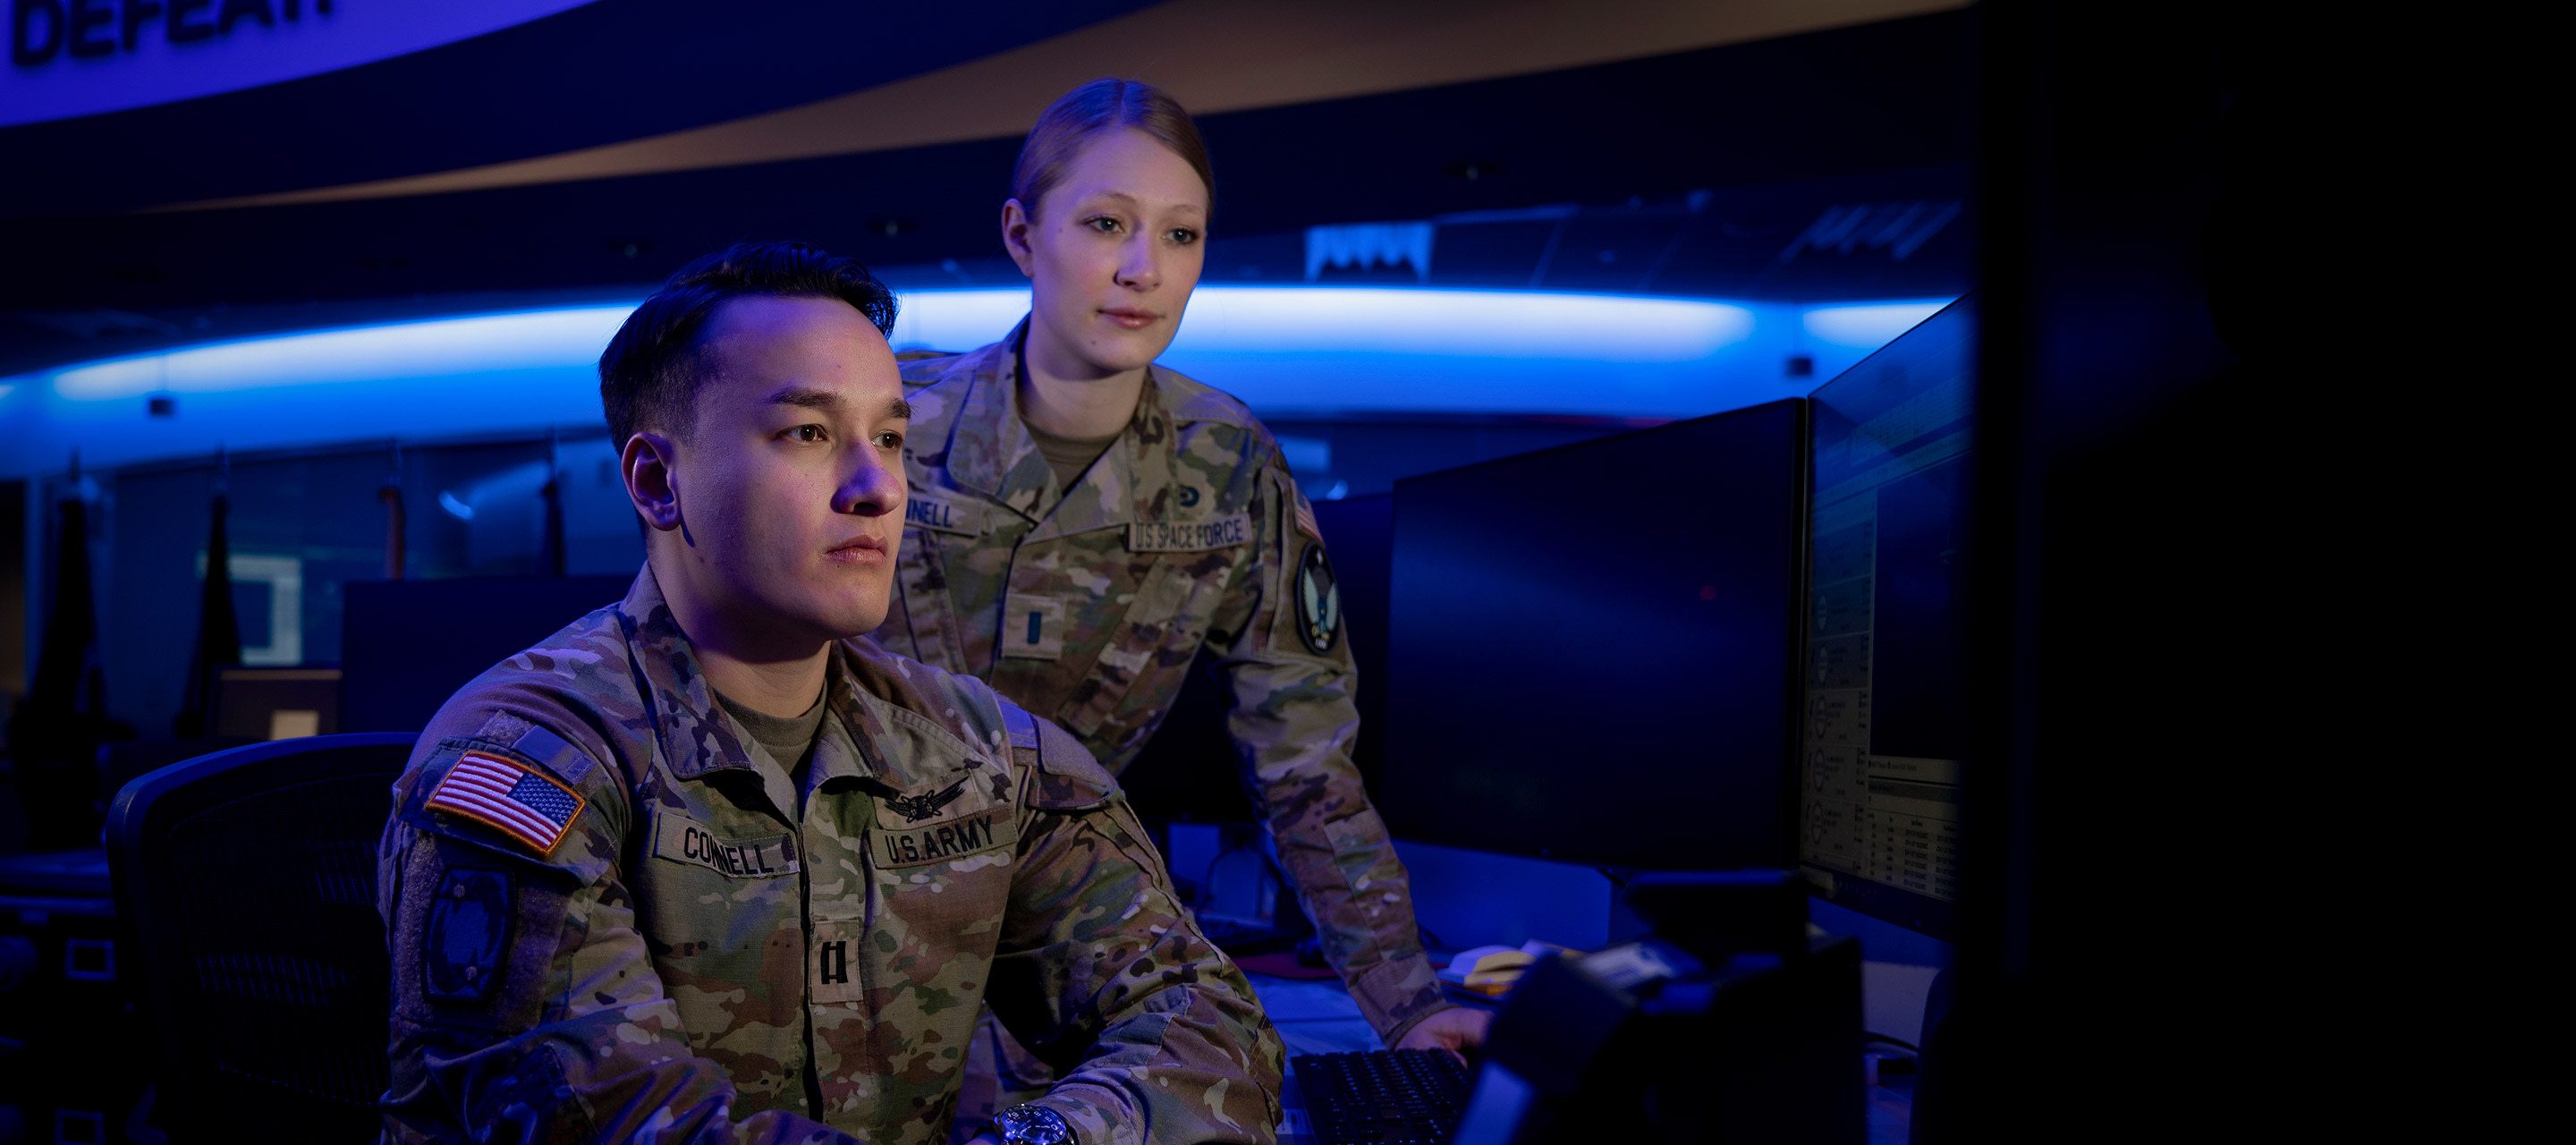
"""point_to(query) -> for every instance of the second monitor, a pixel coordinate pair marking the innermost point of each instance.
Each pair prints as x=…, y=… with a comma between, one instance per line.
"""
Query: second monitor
x=1590, y=648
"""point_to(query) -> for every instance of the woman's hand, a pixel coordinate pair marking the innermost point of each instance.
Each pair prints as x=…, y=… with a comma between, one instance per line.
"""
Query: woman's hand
x=1454, y=1029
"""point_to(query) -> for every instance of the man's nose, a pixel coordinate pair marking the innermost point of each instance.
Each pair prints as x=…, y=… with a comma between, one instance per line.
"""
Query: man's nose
x=874, y=485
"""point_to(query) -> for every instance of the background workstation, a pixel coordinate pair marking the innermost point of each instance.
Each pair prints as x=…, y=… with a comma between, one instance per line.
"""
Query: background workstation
x=1505, y=272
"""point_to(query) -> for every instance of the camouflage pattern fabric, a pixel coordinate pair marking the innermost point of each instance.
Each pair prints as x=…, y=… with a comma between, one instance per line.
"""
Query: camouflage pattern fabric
x=709, y=954
x=1090, y=604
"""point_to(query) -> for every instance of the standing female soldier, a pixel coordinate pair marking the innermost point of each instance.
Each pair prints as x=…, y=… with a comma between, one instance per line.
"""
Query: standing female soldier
x=1084, y=522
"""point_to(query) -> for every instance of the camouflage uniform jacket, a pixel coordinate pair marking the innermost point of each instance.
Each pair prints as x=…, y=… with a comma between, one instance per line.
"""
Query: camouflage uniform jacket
x=706, y=954
x=1090, y=604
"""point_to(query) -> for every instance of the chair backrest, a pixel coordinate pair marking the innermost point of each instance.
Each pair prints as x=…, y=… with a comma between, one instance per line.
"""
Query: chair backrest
x=248, y=878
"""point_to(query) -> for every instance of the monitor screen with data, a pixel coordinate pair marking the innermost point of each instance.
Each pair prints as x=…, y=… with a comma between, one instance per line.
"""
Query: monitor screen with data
x=1882, y=729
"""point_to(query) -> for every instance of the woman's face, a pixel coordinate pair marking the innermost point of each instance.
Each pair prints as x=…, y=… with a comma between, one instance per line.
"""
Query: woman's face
x=1114, y=251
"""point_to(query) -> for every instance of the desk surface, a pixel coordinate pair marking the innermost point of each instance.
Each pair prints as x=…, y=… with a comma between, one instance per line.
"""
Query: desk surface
x=1318, y=1017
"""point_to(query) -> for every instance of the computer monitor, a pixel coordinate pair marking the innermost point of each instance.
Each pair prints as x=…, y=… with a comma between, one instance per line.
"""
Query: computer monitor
x=1590, y=648
x=1883, y=727
x=408, y=645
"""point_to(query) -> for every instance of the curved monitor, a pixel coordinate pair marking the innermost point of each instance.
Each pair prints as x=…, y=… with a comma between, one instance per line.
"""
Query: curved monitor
x=1591, y=647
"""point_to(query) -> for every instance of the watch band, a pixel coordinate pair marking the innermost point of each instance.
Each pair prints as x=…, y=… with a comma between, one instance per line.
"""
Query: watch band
x=1032, y=1125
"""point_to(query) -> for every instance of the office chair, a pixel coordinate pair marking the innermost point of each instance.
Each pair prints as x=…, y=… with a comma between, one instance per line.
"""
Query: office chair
x=248, y=881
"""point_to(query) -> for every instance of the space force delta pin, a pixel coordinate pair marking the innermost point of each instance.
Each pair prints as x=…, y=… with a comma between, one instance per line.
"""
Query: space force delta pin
x=1319, y=601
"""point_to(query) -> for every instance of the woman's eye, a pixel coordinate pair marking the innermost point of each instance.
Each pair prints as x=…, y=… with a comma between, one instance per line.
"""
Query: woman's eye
x=1104, y=225
x=1181, y=236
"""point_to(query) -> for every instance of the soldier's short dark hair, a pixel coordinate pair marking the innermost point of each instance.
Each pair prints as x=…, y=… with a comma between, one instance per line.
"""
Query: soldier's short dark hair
x=649, y=375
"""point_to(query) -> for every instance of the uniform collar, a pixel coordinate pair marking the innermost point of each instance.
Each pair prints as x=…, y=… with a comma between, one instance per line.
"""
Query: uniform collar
x=991, y=452
x=698, y=737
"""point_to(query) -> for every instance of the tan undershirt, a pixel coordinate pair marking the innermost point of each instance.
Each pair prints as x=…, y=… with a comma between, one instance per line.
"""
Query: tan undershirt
x=1069, y=456
x=788, y=739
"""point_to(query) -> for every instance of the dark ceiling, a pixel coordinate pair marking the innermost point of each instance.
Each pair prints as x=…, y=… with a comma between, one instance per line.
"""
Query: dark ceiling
x=1770, y=135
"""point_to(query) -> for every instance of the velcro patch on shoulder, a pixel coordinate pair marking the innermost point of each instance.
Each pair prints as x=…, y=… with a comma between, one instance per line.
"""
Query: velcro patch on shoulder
x=1023, y=726
x=554, y=753
x=518, y=800
x=468, y=931
x=944, y=514
x=1068, y=775
x=1189, y=536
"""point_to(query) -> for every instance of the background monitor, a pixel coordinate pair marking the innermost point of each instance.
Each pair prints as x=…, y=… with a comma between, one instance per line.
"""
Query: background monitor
x=1590, y=648
x=1884, y=727
x=410, y=644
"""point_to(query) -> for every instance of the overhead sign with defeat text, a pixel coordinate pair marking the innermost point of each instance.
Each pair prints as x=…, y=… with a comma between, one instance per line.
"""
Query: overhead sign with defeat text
x=71, y=58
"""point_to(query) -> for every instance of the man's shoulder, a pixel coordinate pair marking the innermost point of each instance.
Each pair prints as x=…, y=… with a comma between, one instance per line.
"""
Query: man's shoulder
x=562, y=703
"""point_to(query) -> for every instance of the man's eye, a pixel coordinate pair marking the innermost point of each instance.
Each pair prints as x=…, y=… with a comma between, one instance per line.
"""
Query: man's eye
x=889, y=440
x=807, y=433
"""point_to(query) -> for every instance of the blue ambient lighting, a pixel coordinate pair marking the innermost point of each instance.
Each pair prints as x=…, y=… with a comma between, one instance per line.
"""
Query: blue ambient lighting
x=1872, y=326
x=393, y=352
x=1284, y=351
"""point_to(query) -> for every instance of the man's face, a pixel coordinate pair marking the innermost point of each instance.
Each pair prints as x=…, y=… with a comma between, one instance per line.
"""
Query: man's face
x=790, y=485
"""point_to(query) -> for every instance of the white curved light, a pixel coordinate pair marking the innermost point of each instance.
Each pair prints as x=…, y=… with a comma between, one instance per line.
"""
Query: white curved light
x=1871, y=326
x=1285, y=351
x=393, y=352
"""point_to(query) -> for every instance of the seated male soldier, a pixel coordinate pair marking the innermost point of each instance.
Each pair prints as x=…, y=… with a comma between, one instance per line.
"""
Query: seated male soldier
x=690, y=870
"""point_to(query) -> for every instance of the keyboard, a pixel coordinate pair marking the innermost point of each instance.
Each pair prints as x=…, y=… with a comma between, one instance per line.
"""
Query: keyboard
x=1383, y=1097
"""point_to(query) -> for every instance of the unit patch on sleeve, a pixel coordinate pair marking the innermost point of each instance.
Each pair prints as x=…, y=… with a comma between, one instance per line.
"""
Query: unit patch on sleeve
x=1319, y=602
x=1188, y=536
x=526, y=804
x=469, y=926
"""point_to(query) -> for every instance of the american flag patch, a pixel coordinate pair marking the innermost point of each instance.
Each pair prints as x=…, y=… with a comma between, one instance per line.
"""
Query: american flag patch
x=1306, y=520
x=524, y=803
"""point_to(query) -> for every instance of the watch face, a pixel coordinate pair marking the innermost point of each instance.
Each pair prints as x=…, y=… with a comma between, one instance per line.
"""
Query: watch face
x=1033, y=1125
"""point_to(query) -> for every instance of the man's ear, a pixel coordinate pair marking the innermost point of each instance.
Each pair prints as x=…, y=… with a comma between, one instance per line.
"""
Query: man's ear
x=1015, y=236
x=650, y=465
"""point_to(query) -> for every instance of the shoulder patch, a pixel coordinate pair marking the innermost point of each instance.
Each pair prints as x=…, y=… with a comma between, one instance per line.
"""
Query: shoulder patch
x=1319, y=601
x=519, y=801
x=1022, y=725
x=1069, y=776
x=551, y=751
x=467, y=935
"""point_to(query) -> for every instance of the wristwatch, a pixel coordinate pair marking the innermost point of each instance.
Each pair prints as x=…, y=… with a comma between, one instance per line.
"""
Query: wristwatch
x=1032, y=1125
